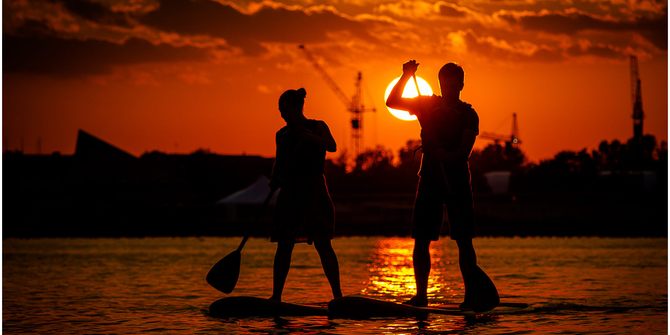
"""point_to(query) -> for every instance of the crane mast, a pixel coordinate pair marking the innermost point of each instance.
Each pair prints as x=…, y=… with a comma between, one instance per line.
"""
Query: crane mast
x=356, y=110
x=636, y=98
x=354, y=105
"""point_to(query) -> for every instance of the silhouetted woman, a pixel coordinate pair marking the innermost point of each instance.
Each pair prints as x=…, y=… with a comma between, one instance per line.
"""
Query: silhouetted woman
x=304, y=209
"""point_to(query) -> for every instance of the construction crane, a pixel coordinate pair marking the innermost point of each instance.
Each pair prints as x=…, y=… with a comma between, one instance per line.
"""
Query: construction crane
x=636, y=98
x=510, y=140
x=354, y=104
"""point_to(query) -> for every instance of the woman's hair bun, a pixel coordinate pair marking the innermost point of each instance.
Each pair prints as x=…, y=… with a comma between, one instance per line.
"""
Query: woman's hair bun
x=292, y=98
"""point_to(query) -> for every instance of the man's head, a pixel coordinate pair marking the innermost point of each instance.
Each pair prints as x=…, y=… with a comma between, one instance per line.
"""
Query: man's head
x=451, y=77
x=291, y=103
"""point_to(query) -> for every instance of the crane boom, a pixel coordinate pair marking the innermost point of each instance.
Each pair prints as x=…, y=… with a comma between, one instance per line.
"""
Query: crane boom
x=333, y=85
x=354, y=104
x=512, y=139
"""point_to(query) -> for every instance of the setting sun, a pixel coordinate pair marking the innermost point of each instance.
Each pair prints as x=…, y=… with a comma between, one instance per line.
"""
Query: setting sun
x=408, y=92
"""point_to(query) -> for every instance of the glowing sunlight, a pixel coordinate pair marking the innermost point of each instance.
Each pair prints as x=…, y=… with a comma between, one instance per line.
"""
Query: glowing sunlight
x=408, y=92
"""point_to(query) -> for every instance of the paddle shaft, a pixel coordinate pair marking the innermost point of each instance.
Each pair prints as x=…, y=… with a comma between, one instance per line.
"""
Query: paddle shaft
x=266, y=202
x=442, y=172
x=418, y=92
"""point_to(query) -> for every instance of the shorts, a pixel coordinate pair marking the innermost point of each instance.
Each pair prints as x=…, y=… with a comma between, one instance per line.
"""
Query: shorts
x=304, y=212
x=431, y=197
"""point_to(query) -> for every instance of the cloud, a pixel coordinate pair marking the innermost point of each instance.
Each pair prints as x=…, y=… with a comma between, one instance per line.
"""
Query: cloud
x=514, y=50
x=600, y=50
x=451, y=10
x=104, y=34
x=572, y=22
x=410, y=9
x=46, y=53
x=95, y=12
x=249, y=30
x=506, y=50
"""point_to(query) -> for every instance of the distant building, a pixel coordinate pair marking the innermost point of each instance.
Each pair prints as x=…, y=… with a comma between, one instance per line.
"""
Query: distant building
x=92, y=148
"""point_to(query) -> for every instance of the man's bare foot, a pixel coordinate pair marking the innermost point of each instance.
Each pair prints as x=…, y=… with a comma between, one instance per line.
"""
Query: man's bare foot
x=468, y=302
x=275, y=299
x=417, y=301
x=466, y=306
x=486, y=304
x=482, y=304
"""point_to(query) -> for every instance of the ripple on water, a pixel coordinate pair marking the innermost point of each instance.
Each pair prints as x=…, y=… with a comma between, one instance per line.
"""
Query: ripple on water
x=156, y=285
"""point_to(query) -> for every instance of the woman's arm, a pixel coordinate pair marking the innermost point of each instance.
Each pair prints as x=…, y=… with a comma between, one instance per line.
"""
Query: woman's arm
x=329, y=141
x=276, y=180
x=321, y=137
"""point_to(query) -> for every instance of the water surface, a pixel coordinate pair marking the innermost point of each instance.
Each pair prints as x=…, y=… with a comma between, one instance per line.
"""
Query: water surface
x=156, y=285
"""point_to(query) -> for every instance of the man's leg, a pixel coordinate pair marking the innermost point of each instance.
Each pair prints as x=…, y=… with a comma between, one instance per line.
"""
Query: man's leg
x=421, y=260
x=427, y=220
x=330, y=265
x=281, y=266
x=467, y=261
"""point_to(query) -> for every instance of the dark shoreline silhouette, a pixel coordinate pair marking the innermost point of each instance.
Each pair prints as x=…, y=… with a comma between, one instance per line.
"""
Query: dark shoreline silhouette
x=161, y=194
x=50, y=206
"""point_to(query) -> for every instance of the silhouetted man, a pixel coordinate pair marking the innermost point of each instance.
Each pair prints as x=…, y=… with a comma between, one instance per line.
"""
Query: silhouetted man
x=449, y=127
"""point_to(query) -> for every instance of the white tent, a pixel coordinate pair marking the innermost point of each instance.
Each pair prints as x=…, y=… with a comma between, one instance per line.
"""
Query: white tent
x=253, y=194
x=498, y=181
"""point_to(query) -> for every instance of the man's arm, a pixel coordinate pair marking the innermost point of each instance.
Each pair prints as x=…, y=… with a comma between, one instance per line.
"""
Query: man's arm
x=462, y=152
x=468, y=137
x=467, y=143
x=395, y=99
x=469, y=134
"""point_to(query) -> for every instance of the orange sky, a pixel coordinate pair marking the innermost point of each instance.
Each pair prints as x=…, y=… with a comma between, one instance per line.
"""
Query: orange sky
x=180, y=75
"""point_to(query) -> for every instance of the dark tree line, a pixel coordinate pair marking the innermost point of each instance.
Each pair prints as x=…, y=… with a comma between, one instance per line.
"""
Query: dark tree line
x=379, y=169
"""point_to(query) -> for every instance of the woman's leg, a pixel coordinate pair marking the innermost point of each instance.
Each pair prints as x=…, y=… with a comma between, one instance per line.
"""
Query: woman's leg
x=281, y=266
x=330, y=265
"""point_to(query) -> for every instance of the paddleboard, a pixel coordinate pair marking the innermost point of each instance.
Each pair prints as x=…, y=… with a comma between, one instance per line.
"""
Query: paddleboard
x=361, y=307
x=242, y=306
x=353, y=306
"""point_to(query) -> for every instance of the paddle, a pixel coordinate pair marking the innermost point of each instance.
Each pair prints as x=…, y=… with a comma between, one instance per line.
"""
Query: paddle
x=484, y=296
x=224, y=274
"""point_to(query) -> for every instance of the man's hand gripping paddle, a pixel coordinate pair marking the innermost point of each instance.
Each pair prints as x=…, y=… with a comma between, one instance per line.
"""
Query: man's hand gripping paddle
x=224, y=274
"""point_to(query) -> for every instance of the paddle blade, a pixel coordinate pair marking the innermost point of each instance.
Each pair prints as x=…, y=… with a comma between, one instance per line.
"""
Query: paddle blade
x=485, y=294
x=223, y=275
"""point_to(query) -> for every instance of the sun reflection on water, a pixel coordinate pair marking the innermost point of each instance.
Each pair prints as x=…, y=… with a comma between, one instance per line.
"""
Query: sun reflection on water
x=391, y=273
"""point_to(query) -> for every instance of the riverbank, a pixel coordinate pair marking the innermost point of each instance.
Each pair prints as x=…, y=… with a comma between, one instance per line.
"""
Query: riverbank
x=537, y=214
